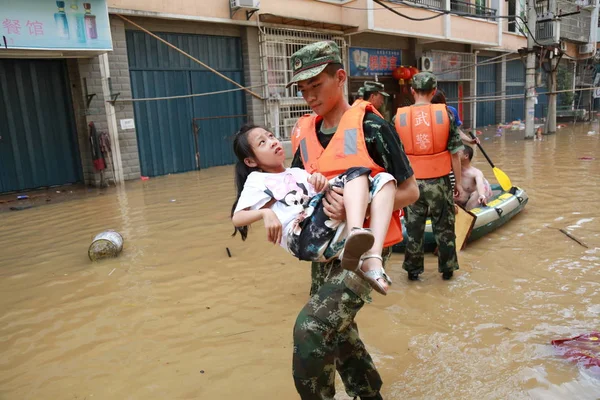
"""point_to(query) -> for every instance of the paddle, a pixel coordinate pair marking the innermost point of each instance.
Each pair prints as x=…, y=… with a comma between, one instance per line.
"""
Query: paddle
x=501, y=177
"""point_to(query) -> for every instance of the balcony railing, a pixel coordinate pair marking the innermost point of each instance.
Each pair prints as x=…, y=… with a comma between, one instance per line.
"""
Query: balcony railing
x=436, y=4
x=476, y=10
x=459, y=6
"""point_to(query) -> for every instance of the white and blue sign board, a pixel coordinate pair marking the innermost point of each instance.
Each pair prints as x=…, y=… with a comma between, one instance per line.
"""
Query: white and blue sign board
x=55, y=25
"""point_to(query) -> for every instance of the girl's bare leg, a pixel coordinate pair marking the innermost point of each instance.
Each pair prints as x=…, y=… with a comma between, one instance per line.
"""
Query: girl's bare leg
x=356, y=201
x=381, y=208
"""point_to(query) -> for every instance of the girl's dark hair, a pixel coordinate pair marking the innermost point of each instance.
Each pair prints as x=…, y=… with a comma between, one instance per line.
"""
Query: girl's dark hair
x=242, y=150
x=439, y=97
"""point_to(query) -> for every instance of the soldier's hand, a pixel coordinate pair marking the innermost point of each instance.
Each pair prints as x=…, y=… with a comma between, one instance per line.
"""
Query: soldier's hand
x=333, y=204
x=458, y=191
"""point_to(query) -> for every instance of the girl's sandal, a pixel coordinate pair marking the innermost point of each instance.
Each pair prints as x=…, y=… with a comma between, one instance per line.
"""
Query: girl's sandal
x=373, y=275
x=357, y=243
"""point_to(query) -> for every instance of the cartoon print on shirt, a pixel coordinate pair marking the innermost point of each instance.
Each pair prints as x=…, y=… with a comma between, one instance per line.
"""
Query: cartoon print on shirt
x=287, y=190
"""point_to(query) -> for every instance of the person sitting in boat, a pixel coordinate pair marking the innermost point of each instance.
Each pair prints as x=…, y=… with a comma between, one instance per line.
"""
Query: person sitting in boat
x=476, y=189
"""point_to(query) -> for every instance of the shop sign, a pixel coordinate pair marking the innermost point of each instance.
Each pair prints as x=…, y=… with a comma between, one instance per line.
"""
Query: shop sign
x=55, y=25
x=371, y=62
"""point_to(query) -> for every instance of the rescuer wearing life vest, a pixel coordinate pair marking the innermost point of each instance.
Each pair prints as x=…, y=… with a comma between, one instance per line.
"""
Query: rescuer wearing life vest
x=432, y=142
x=375, y=94
x=359, y=95
x=338, y=136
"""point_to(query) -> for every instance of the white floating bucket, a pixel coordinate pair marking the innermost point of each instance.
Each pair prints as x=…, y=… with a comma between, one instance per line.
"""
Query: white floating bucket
x=106, y=245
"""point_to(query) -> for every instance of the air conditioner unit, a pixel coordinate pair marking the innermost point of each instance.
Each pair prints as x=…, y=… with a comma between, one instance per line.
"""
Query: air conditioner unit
x=426, y=64
x=587, y=48
x=246, y=4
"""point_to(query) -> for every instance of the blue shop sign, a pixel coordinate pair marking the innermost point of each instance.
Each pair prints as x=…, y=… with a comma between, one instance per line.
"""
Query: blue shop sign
x=55, y=25
x=371, y=62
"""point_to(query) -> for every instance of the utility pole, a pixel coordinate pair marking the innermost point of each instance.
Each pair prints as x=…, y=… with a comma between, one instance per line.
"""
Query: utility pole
x=530, y=72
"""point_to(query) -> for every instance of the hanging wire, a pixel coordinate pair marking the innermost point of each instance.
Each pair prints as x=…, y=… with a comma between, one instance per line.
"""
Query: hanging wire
x=481, y=64
x=186, y=96
x=462, y=14
x=513, y=96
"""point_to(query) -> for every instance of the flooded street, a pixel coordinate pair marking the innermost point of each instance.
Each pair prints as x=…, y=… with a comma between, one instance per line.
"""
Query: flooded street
x=175, y=318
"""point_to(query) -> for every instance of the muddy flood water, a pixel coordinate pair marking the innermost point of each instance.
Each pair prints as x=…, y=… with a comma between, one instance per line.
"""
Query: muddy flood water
x=175, y=318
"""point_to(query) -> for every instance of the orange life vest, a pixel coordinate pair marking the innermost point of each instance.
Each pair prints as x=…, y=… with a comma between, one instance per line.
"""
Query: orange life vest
x=346, y=149
x=358, y=101
x=424, y=131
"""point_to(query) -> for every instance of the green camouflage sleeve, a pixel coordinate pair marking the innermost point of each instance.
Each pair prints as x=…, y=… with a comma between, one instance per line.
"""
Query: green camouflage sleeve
x=455, y=143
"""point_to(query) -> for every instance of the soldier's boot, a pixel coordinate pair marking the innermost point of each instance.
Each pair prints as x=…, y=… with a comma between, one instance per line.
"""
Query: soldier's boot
x=376, y=397
x=447, y=275
x=413, y=276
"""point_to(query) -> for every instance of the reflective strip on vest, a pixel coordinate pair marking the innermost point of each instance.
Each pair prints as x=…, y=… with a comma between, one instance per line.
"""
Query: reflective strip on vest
x=403, y=119
x=350, y=145
x=304, y=151
x=439, y=118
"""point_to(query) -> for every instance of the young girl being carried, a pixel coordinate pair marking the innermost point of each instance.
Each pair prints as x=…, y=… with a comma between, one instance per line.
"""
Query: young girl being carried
x=290, y=202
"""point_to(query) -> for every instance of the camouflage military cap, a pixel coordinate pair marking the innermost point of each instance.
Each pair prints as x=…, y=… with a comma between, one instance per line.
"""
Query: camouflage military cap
x=361, y=91
x=375, y=87
x=312, y=59
x=424, y=81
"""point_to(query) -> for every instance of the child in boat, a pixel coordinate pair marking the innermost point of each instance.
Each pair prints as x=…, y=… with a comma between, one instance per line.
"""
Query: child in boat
x=290, y=202
x=477, y=190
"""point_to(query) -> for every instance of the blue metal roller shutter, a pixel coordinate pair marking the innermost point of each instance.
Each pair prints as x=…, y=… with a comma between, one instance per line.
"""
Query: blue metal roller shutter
x=164, y=128
x=38, y=144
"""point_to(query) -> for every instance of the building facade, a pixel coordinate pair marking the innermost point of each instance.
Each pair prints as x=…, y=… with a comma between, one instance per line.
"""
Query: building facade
x=166, y=113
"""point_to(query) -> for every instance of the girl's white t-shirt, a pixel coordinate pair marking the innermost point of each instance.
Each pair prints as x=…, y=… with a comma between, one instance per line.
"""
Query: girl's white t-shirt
x=291, y=192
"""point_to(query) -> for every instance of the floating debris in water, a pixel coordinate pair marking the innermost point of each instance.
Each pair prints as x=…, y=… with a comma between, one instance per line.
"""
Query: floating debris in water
x=583, y=349
x=107, y=244
x=21, y=208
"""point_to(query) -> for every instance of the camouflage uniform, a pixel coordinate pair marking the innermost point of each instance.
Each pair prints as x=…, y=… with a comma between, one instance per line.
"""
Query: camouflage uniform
x=374, y=87
x=326, y=337
x=435, y=201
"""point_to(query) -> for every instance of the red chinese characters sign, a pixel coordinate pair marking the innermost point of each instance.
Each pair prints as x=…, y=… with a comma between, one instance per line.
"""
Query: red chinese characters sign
x=371, y=62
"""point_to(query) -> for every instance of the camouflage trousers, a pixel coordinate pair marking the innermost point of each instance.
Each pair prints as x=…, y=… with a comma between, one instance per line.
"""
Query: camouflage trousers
x=326, y=337
x=435, y=201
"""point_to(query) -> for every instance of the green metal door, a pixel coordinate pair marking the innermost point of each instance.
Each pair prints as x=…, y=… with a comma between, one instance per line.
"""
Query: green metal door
x=165, y=127
x=38, y=140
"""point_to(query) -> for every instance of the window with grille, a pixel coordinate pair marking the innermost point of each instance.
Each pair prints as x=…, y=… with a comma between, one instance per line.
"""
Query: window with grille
x=286, y=105
x=516, y=8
